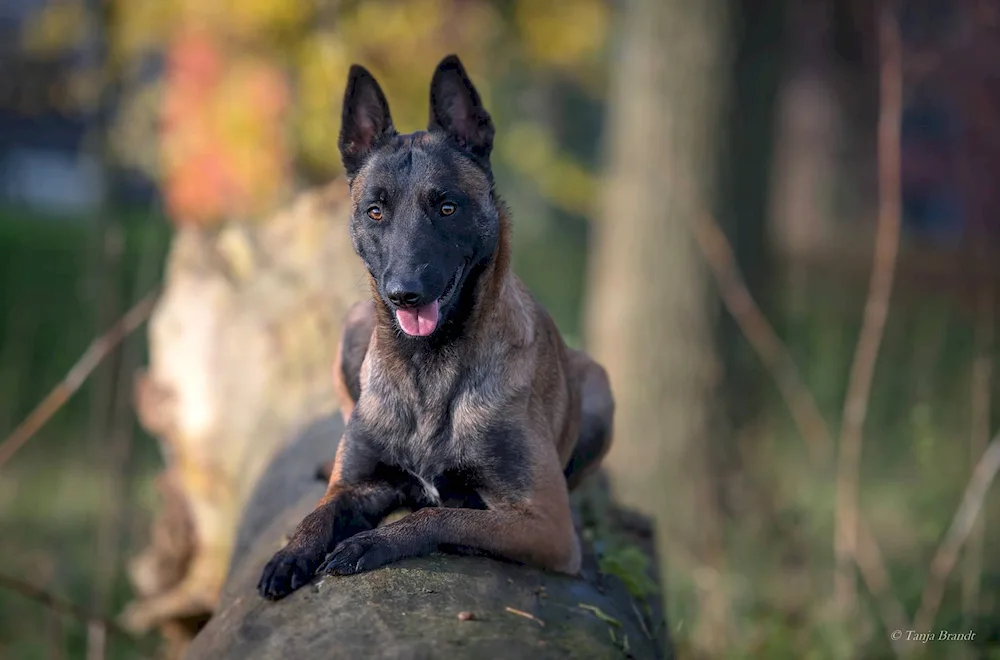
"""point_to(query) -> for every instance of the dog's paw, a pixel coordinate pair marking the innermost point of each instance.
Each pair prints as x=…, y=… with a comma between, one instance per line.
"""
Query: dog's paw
x=287, y=571
x=362, y=552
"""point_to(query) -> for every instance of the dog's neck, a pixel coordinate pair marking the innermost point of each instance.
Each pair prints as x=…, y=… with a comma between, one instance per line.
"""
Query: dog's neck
x=481, y=298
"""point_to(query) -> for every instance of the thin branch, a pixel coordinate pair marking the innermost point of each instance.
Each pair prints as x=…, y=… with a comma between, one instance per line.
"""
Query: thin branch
x=762, y=337
x=876, y=310
x=980, y=396
x=118, y=452
x=876, y=578
x=62, y=606
x=526, y=615
x=95, y=353
x=97, y=640
x=961, y=525
x=107, y=260
x=56, y=636
x=800, y=401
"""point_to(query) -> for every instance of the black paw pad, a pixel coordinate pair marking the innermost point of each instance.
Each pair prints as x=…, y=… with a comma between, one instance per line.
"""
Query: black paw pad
x=286, y=572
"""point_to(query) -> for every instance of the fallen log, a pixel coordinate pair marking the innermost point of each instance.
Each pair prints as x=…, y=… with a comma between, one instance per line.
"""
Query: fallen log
x=443, y=606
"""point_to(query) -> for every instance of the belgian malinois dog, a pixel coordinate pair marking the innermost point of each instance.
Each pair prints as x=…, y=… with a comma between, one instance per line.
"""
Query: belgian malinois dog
x=461, y=401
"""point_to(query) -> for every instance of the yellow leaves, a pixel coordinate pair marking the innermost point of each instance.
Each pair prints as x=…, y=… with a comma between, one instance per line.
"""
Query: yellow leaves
x=322, y=63
x=564, y=33
x=400, y=42
x=56, y=27
x=133, y=135
x=395, y=22
x=251, y=19
x=141, y=26
x=242, y=20
x=529, y=148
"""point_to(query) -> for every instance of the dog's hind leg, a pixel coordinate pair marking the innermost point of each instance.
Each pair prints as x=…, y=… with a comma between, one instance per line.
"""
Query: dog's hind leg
x=597, y=411
x=359, y=322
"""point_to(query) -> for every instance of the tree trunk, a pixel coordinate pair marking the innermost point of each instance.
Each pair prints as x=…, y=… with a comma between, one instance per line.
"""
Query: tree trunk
x=744, y=194
x=649, y=316
x=241, y=349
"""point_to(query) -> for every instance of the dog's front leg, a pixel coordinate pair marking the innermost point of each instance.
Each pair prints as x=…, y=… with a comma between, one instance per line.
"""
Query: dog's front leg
x=534, y=528
x=345, y=511
x=355, y=501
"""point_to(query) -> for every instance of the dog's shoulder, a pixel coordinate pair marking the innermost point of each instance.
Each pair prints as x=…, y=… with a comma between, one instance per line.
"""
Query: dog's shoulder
x=518, y=315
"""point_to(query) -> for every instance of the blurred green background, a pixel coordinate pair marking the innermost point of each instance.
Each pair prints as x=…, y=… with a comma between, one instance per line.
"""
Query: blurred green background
x=121, y=119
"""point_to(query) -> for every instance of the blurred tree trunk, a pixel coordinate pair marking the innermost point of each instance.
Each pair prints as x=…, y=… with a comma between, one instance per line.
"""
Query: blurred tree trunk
x=745, y=191
x=650, y=316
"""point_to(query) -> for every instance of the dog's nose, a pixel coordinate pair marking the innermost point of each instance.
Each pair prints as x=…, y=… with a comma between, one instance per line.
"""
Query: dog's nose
x=403, y=294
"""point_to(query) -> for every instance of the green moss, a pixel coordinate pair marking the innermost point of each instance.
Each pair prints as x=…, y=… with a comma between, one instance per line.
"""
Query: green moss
x=630, y=565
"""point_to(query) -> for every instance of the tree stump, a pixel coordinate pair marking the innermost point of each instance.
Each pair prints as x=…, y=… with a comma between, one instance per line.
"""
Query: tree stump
x=241, y=348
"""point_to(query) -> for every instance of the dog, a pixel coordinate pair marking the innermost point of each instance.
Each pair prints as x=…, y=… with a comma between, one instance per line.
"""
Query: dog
x=462, y=402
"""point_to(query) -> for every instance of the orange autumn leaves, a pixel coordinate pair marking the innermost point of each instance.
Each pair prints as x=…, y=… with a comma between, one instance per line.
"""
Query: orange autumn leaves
x=223, y=148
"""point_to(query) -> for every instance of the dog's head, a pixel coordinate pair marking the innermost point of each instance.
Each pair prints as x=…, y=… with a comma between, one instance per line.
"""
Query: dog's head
x=424, y=216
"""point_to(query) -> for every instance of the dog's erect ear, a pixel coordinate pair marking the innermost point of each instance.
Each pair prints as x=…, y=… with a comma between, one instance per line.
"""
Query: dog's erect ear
x=457, y=110
x=365, y=118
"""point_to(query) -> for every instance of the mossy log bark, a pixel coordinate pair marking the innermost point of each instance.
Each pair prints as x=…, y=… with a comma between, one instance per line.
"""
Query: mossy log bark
x=410, y=609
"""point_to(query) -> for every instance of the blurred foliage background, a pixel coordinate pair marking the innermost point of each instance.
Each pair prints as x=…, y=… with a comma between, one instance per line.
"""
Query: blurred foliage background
x=121, y=120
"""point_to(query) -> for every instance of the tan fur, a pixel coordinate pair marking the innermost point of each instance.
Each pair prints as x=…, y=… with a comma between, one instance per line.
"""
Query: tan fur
x=340, y=392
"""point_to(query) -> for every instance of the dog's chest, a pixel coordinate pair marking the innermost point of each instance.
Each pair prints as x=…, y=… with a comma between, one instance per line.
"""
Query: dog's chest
x=434, y=442
x=434, y=456
x=437, y=439
x=435, y=421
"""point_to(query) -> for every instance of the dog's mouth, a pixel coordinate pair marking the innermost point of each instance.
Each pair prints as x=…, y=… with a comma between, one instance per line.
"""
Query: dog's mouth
x=422, y=321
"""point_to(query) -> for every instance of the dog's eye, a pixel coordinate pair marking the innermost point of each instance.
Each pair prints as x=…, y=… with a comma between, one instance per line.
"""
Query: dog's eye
x=447, y=208
x=375, y=212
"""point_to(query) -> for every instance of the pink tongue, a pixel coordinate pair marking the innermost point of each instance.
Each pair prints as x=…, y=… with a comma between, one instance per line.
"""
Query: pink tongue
x=419, y=321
